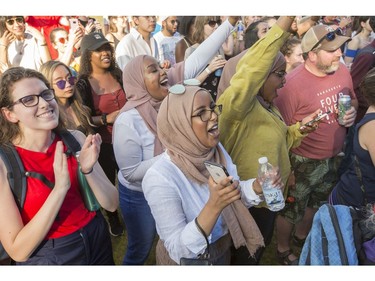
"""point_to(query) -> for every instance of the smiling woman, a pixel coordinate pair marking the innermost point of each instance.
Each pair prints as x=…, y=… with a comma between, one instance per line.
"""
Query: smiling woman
x=52, y=214
x=100, y=86
x=146, y=84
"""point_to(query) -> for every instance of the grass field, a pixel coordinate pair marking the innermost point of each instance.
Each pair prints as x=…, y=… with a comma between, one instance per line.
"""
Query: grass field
x=119, y=245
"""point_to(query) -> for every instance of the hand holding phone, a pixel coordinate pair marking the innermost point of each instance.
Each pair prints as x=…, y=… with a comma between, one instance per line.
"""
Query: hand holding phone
x=73, y=23
x=217, y=171
x=316, y=120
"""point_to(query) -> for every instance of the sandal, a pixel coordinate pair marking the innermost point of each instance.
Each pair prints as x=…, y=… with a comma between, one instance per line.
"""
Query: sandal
x=284, y=259
x=298, y=241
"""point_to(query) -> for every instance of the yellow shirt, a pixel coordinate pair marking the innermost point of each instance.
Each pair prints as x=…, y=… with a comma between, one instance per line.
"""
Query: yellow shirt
x=249, y=131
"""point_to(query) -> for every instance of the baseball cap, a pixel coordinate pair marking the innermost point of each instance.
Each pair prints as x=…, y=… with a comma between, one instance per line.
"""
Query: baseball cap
x=163, y=18
x=322, y=37
x=93, y=41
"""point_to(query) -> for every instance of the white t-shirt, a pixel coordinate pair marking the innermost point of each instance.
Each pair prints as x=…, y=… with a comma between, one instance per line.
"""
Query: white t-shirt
x=167, y=46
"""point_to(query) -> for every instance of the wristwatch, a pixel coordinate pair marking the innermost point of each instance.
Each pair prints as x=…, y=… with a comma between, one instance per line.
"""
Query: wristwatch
x=104, y=119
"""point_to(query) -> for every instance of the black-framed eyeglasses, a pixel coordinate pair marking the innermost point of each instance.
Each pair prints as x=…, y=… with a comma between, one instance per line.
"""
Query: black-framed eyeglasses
x=33, y=100
x=280, y=74
x=206, y=114
x=62, y=83
x=174, y=21
x=213, y=23
x=17, y=19
x=330, y=36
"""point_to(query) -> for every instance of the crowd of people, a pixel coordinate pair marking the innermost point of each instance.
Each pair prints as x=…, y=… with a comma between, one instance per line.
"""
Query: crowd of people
x=150, y=99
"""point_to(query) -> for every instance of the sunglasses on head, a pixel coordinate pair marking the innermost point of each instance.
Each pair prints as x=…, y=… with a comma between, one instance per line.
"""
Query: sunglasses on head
x=62, y=40
x=17, y=19
x=213, y=23
x=62, y=83
x=330, y=36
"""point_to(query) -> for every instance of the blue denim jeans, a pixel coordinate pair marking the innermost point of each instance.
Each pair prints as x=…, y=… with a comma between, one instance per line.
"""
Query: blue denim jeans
x=140, y=225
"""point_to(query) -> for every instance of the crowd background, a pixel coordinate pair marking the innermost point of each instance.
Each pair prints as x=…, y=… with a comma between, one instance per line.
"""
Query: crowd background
x=104, y=26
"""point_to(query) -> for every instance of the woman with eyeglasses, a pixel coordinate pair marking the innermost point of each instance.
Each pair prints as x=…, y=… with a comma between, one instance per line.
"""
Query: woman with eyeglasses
x=204, y=26
x=21, y=45
x=186, y=202
x=77, y=115
x=250, y=117
x=53, y=227
x=135, y=139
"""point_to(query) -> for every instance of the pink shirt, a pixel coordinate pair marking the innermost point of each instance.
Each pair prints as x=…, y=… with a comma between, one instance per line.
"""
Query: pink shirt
x=304, y=93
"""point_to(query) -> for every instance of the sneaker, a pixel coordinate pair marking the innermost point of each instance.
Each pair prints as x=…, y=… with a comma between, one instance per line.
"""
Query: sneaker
x=114, y=224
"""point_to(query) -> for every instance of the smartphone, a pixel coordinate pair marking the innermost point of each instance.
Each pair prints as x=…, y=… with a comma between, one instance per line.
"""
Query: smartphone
x=316, y=119
x=73, y=23
x=217, y=171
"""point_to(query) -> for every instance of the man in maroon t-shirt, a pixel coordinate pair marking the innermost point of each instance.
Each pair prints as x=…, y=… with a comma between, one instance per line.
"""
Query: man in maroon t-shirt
x=317, y=83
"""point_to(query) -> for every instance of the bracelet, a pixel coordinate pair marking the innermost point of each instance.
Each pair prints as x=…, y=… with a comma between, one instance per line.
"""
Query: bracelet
x=6, y=46
x=87, y=173
x=104, y=119
x=208, y=71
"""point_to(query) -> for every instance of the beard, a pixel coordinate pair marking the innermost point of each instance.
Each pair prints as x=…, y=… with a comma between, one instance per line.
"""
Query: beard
x=327, y=69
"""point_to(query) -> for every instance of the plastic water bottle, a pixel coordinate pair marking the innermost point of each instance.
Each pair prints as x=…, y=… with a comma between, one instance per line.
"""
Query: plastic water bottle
x=240, y=30
x=219, y=71
x=272, y=194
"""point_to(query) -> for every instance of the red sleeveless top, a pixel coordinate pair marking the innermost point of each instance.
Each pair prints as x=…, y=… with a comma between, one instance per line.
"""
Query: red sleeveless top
x=72, y=215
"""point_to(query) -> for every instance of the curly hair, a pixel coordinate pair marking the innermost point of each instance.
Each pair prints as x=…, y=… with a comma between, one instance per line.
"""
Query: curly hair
x=10, y=131
x=287, y=48
x=85, y=72
x=82, y=112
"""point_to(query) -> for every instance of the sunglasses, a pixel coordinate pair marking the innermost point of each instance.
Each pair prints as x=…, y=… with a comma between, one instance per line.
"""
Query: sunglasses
x=174, y=21
x=213, y=23
x=62, y=40
x=330, y=36
x=62, y=83
x=33, y=100
x=17, y=19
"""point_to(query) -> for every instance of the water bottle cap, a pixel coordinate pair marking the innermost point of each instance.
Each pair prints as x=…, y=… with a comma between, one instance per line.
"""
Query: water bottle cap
x=263, y=160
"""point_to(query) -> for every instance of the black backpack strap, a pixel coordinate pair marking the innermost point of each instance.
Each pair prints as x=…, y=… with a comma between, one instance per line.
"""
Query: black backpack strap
x=16, y=173
x=70, y=141
x=40, y=177
x=340, y=239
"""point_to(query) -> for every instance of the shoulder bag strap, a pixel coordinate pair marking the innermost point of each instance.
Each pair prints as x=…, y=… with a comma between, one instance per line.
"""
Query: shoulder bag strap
x=206, y=254
x=359, y=176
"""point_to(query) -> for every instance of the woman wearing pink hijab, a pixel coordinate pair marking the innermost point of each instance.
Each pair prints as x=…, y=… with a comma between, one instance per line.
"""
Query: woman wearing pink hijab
x=135, y=139
x=184, y=198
